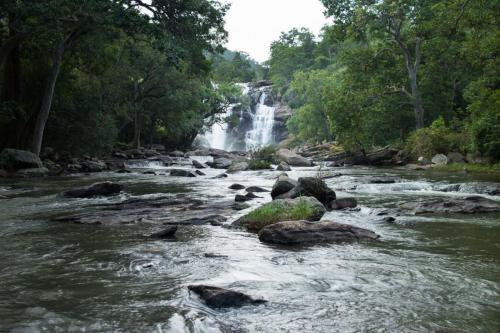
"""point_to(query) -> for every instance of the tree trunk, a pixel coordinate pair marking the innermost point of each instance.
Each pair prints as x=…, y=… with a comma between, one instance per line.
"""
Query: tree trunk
x=412, y=67
x=417, y=99
x=48, y=94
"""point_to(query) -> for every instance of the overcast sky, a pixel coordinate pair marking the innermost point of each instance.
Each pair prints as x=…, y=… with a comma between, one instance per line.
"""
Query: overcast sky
x=254, y=24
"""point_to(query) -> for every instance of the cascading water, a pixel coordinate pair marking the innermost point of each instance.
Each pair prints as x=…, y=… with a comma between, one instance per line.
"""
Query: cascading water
x=261, y=133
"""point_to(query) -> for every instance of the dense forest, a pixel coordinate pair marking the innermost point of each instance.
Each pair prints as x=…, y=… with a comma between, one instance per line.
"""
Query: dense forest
x=395, y=71
x=82, y=76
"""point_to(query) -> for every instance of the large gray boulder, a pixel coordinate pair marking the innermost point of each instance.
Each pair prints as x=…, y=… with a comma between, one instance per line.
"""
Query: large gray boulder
x=238, y=166
x=283, y=166
x=97, y=189
x=220, y=163
x=297, y=232
x=283, y=185
x=216, y=297
x=440, y=159
x=293, y=159
x=314, y=187
x=15, y=159
x=343, y=203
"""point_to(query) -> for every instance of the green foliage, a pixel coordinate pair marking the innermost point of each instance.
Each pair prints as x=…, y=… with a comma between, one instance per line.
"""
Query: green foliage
x=266, y=154
x=275, y=211
x=435, y=139
x=469, y=168
x=354, y=85
x=259, y=165
x=124, y=76
x=236, y=67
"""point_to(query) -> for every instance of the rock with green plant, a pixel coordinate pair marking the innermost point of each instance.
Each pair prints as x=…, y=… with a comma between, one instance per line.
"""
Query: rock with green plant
x=286, y=188
x=303, y=208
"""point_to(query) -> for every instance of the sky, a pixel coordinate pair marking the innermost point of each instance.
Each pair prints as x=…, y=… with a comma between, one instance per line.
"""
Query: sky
x=254, y=24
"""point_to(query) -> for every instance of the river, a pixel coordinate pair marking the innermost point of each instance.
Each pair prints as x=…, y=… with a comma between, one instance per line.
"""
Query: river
x=425, y=274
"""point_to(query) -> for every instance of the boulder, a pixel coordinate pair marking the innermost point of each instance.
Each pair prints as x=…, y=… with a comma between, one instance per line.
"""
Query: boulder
x=304, y=208
x=97, y=189
x=157, y=147
x=382, y=180
x=222, y=175
x=200, y=173
x=343, y=203
x=176, y=153
x=165, y=233
x=14, y=159
x=464, y=205
x=216, y=297
x=182, y=173
x=256, y=189
x=283, y=166
x=283, y=185
x=252, y=195
x=241, y=198
x=298, y=232
x=220, y=163
x=456, y=158
x=440, y=159
x=236, y=187
x=198, y=165
x=315, y=187
x=93, y=166
x=34, y=172
x=293, y=159
x=238, y=166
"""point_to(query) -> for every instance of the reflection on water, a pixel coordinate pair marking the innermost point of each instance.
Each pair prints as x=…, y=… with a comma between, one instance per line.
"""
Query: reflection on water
x=437, y=274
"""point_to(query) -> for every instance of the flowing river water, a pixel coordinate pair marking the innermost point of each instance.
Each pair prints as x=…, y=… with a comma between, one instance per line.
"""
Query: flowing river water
x=425, y=274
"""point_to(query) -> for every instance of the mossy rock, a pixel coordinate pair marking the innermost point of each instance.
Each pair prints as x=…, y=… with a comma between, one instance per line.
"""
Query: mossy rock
x=303, y=208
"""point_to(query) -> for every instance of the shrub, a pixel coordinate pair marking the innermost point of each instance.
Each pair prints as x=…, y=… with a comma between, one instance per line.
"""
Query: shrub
x=267, y=154
x=435, y=139
x=259, y=165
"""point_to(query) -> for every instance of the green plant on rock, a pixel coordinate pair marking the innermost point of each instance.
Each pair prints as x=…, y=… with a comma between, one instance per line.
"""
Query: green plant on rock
x=259, y=165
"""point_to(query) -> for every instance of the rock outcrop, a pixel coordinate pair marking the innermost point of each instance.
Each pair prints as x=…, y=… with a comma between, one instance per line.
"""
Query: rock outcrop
x=98, y=189
x=299, y=232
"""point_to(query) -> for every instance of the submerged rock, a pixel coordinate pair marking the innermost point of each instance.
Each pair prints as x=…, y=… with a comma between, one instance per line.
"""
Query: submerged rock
x=216, y=297
x=343, y=203
x=283, y=166
x=465, y=205
x=241, y=198
x=200, y=173
x=182, y=173
x=198, y=165
x=256, y=189
x=236, y=187
x=98, y=189
x=165, y=233
x=222, y=175
x=297, y=232
x=252, y=195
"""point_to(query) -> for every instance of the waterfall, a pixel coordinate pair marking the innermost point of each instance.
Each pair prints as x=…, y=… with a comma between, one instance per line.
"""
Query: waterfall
x=261, y=133
x=216, y=137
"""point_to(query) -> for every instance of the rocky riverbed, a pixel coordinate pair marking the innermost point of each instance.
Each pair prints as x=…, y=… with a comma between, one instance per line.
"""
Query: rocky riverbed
x=426, y=255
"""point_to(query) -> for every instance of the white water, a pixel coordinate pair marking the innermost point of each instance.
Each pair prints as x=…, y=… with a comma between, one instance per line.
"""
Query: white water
x=262, y=127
